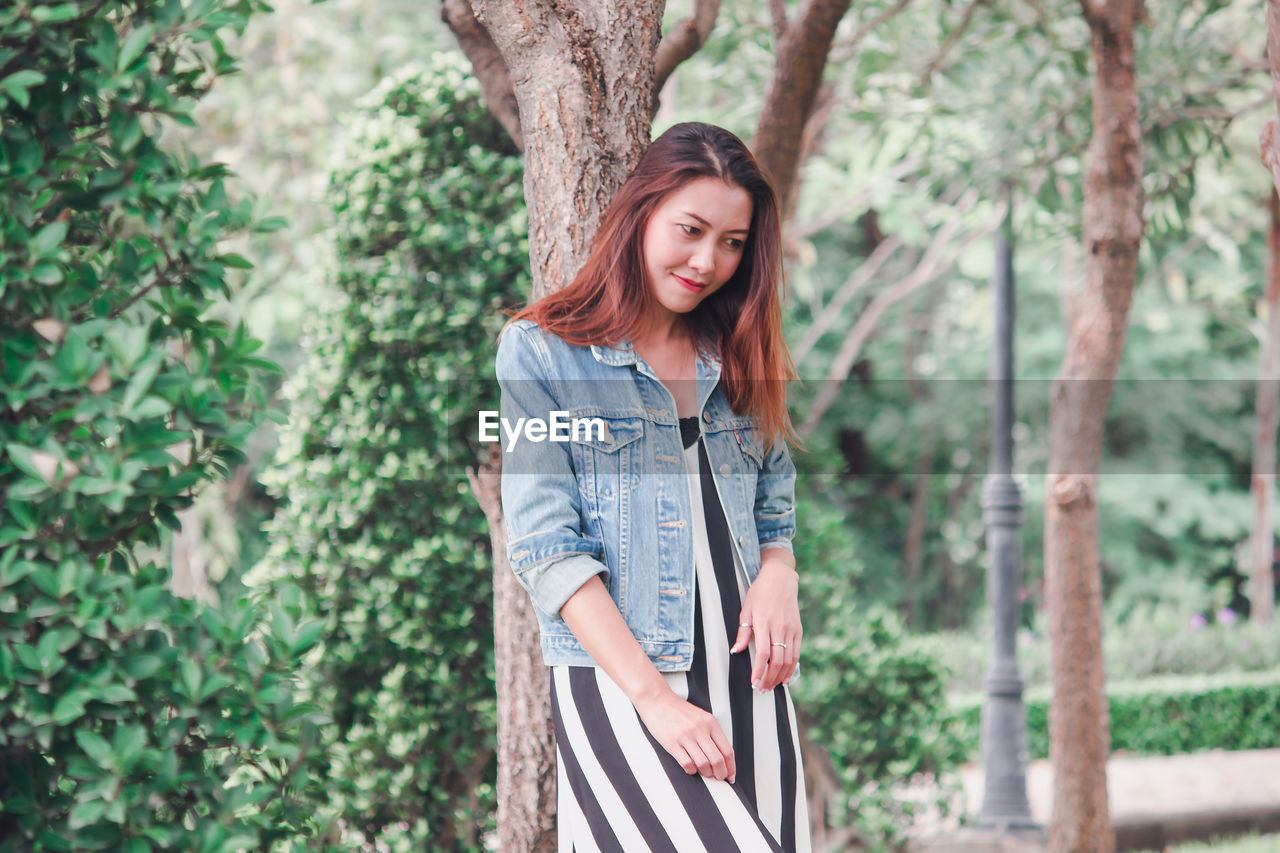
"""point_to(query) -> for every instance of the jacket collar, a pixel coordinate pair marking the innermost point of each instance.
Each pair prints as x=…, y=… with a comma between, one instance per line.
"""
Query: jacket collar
x=624, y=354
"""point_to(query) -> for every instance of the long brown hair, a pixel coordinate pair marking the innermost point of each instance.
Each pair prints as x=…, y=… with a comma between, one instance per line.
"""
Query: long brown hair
x=611, y=299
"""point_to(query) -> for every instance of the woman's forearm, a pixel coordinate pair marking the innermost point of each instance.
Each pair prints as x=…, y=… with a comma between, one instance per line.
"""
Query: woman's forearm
x=594, y=619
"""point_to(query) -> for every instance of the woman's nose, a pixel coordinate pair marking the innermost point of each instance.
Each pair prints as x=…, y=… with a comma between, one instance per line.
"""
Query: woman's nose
x=702, y=260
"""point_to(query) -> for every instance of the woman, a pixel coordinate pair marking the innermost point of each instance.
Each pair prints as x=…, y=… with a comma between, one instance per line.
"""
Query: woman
x=655, y=540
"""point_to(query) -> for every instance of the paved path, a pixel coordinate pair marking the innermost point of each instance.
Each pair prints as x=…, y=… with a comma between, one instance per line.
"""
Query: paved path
x=1161, y=785
x=1186, y=795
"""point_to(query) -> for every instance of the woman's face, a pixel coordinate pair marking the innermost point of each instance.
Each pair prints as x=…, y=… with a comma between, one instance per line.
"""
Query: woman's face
x=694, y=242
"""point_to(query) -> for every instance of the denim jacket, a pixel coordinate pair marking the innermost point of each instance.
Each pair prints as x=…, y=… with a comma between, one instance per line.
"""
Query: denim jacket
x=613, y=499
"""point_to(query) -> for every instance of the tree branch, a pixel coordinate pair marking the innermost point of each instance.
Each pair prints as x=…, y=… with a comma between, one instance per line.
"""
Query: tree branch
x=797, y=76
x=683, y=41
x=930, y=267
x=803, y=230
x=950, y=41
x=487, y=64
x=852, y=285
x=847, y=48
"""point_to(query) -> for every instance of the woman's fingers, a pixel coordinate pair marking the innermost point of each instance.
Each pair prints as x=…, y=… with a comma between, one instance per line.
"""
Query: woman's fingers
x=702, y=764
x=775, y=659
x=778, y=651
x=744, y=636
x=716, y=767
x=687, y=762
x=726, y=750
x=761, y=662
x=692, y=736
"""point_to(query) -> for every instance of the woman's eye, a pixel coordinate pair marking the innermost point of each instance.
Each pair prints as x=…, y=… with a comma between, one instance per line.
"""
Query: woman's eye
x=691, y=230
x=735, y=244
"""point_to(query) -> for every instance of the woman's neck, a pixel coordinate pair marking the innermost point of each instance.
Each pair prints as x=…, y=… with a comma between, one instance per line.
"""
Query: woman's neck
x=664, y=333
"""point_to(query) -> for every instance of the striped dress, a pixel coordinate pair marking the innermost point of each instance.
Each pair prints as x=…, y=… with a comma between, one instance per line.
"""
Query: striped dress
x=619, y=790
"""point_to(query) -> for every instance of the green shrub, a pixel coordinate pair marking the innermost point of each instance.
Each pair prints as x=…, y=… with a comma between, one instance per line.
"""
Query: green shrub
x=1162, y=716
x=869, y=695
x=1151, y=642
x=378, y=526
x=128, y=719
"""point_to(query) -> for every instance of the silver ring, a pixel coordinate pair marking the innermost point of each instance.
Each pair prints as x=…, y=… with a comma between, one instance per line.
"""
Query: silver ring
x=784, y=645
x=744, y=624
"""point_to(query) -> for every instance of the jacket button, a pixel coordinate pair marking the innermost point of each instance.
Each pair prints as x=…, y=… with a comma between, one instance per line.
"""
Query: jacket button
x=706, y=416
x=726, y=470
x=742, y=541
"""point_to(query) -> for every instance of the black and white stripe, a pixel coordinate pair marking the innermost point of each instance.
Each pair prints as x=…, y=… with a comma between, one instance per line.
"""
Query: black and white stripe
x=619, y=790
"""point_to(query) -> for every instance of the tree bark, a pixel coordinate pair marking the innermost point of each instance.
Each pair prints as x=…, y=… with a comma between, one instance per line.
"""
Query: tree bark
x=1262, y=533
x=797, y=77
x=1261, y=545
x=582, y=79
x=526, y=743
x=1079, y=734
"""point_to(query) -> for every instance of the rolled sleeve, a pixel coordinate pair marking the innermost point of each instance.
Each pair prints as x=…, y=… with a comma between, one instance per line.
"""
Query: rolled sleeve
x=775, y=511
x=540, y=500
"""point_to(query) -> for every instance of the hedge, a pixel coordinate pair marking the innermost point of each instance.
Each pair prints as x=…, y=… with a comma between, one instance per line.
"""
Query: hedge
x=1161, y=716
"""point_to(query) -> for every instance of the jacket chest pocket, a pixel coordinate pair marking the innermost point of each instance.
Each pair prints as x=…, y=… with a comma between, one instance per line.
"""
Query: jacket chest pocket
x=606, y=454
x=739, y=452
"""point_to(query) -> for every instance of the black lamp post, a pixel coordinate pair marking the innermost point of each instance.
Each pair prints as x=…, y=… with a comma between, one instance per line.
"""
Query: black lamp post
x=1004, y=719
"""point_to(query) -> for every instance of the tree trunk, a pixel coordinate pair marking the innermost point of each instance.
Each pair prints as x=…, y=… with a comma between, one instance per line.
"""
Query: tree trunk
x=1262, y=536
x=1079, y=735
x=582, y=74
x=1261, y=582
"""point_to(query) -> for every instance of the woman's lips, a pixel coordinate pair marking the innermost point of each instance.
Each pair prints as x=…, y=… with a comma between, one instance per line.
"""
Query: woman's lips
x=691, y=285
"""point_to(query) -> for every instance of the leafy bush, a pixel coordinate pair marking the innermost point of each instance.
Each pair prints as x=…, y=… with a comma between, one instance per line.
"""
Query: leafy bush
x=1165, y=716
x=128, y=718
x=868, y=694
x=1151, y=642
x=378, y=527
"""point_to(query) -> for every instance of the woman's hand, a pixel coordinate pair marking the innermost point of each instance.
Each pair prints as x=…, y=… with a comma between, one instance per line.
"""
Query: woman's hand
x=771, y=614
x=690, y=734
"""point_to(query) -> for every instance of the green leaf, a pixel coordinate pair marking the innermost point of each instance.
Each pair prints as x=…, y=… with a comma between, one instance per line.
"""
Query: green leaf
x=69, y=707
x=151, y=407
x=55, y=14
x=307, y=634
x=97, y=748
x=24, y=458
x=127, y=344
x=134, y=43
x=140, y=381
x=191, y=676
x=274, y=223
x=47, y=273
x=86, y=813
x=235, y=261
x=49, y=238
x=17, y=84
x=129, y=741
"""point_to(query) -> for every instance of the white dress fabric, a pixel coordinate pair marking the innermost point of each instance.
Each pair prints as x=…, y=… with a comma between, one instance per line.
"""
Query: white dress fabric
x=619, y=790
